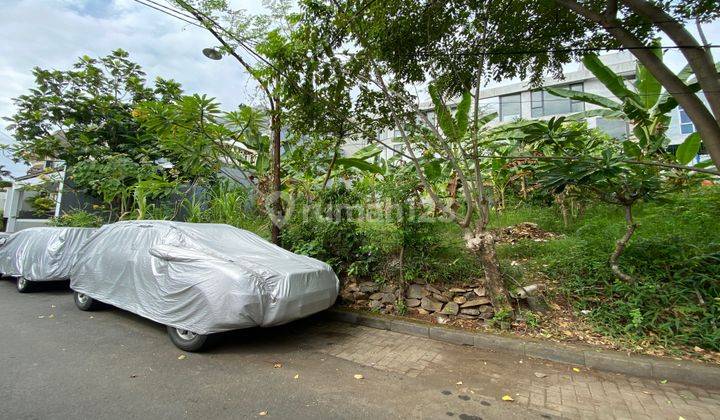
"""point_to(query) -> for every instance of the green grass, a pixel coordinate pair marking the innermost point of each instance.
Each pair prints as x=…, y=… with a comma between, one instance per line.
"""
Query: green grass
x=675, y=257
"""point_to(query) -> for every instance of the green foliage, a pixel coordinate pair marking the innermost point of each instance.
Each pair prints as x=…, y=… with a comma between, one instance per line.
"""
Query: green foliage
x=196, y=134
x=401, y=306
x=111, y=177
x=645, y=104
x=332, y=236
x=86, y=112
x=42, y=205
x=687, y=151
x=227, y=203
x=88, y=118
x=675, y=258
x=435, y=252
x=77, y=218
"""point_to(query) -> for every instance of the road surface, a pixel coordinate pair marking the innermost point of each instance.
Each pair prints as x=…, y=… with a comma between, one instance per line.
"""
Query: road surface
x=59, y=362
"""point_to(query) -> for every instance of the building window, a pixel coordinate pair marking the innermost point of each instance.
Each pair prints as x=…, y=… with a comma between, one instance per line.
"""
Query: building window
x=544, y=104
x=510, y=107
x=686, y=125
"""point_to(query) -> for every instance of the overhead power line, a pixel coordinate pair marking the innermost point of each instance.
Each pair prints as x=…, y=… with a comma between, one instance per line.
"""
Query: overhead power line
x=159, y=8
x=561, y=50
x=171, y=9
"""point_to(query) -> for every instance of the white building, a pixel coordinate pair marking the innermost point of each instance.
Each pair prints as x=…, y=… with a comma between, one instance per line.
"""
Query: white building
x=44, y=178
x=514, y=100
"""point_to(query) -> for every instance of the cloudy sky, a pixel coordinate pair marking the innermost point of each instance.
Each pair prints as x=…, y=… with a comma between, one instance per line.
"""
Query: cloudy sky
x=53, y=33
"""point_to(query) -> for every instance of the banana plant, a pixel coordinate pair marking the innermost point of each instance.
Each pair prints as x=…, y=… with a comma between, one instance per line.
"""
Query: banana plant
x=361, y=160
x=646, y=105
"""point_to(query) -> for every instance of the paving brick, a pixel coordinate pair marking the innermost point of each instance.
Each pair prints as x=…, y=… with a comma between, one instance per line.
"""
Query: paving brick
x=589, y=394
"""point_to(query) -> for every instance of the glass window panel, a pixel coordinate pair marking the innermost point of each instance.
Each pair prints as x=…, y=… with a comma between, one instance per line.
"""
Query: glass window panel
x=687, y=128
x=555, y=105
x=510, y=107
x=537, y=99
x=684, y=118
x=615, y=128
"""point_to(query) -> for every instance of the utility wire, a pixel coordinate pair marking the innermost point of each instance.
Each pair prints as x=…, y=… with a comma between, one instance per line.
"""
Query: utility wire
x=171, y=9
x=159, y=9
x=560, y=50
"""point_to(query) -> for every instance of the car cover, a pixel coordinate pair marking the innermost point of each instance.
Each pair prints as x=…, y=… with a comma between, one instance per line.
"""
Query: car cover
x=204, y=278
x=42, y=253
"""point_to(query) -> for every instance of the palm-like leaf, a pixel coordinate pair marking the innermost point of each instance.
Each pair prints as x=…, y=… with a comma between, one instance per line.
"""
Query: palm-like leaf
x=614, y=82
x=585, y=97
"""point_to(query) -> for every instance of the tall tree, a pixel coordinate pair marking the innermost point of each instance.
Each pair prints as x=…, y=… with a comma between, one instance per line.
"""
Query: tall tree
x=248, y=39
x=530, y=39
x=87, y=112
x=86, y=117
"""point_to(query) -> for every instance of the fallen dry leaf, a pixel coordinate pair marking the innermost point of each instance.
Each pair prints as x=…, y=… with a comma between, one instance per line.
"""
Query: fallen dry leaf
x=182, y=357
x=358, y=376
x=507, y=398
x=51, y=316
x=296, y=376
x=540, y=375
x=277, y=365
x=262, y=413
x=458, y=383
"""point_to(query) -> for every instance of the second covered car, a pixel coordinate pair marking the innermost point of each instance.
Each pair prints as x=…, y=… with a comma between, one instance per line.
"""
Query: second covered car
x=199, y=279
x=41, y=254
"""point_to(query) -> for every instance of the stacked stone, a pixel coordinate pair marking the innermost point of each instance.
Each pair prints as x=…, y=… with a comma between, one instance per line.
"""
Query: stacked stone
x=465, y=302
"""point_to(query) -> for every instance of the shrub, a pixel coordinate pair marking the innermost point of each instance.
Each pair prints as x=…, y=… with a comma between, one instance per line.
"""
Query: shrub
x=229, y=204
x=675, y=258
x=332, y=236
x=78, y=218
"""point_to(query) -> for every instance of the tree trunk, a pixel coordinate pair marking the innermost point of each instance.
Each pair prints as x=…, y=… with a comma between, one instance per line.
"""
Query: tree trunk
x=621, y=244
x=560, y=200
x=483, y=245
x=277, y=205
x=336, y=152
x=698, y=58
x=705, y=123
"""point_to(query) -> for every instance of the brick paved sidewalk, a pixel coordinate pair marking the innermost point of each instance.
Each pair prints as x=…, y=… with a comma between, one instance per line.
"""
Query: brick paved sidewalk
x=552, y=388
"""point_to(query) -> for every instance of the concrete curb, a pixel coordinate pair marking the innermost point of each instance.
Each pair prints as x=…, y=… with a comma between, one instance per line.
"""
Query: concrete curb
x=610, y=361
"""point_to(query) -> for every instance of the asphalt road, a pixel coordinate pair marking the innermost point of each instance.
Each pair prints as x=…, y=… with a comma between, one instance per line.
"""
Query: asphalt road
x=59, y=362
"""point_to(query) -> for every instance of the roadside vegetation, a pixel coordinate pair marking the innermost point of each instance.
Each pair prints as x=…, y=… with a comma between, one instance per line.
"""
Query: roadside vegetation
x=618, y=236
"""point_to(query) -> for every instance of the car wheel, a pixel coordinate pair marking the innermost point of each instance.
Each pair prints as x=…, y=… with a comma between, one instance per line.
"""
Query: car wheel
x=186, y=340
x=84, y=302
x=23, y=285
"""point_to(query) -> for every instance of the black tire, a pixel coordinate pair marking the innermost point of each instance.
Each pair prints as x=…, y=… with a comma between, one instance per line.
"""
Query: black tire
x=187, y=340
x=85, y=302
x=23, y=285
